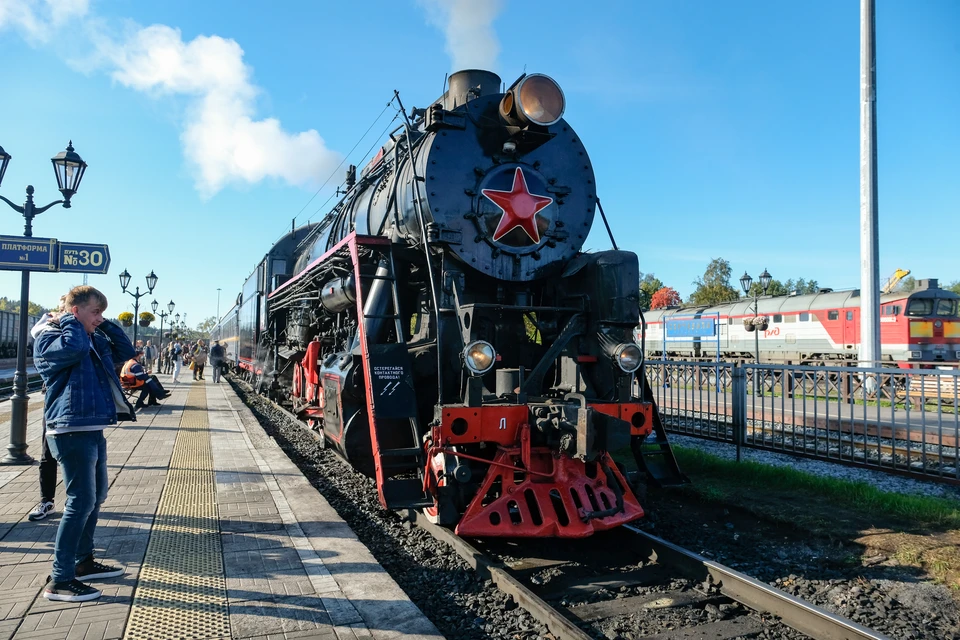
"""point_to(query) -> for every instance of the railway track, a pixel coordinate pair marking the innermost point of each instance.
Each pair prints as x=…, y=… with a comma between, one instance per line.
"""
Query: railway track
x=569, y=585
x=632, y=582
x=34, y=383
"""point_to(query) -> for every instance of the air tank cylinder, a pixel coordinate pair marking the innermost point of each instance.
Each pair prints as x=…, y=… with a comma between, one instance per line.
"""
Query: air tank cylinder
x=338, y=295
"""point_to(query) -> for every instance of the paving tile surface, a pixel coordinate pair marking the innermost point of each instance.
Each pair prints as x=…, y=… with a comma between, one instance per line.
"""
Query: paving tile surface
x=281, y=574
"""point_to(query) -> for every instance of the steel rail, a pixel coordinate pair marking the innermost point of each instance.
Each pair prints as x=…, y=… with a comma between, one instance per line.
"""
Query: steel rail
x=794, y=612
x=798, y=614
x=536, y=606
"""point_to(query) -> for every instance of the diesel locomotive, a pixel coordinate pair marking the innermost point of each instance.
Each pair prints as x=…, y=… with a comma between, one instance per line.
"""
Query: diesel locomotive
x=917, y=329
x=443, y=330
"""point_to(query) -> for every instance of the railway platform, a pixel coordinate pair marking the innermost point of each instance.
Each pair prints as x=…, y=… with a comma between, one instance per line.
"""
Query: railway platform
x=221, y=536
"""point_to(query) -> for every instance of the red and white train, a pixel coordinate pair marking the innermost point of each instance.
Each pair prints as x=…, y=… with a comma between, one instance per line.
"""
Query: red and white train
x=916, y=328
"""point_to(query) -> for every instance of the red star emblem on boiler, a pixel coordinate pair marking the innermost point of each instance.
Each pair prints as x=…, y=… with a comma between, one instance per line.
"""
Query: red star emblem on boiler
x=519, y=208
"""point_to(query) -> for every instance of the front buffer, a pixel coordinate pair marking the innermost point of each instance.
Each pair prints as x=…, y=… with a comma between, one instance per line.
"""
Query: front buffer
x=538, y=470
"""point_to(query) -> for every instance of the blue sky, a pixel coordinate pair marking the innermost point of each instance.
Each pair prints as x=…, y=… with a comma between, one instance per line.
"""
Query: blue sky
x=716, y=129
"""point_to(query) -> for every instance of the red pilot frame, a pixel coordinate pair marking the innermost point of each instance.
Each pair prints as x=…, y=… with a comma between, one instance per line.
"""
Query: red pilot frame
x=531, y=491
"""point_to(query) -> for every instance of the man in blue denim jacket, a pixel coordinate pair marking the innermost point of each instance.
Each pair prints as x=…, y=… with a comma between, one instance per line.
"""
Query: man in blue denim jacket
x=75, y=357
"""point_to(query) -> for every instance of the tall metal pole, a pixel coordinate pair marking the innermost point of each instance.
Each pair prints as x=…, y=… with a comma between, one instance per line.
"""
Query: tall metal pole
x=19, y=403
x=756, y=329
x=136, y=315
x=869, y=221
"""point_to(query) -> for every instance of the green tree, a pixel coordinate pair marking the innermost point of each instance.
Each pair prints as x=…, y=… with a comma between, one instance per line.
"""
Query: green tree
x=34, y=309
x=778, y=288
x=907, y=285
x=714, y=287
x=649, y=285
x=207, y=325
x=954, y=286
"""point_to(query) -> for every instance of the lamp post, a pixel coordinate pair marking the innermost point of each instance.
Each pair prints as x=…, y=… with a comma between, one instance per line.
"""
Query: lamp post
x=163, y=315
x=218, y=305
x=745, y=282
x=69, y=168
x=151, y=283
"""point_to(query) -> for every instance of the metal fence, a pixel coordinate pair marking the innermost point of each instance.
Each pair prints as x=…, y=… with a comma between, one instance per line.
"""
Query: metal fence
x=904, y=421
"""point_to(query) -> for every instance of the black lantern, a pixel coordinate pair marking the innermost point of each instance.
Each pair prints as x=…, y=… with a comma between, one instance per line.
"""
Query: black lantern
x=171, y=306
x=4, y=161
x=765, y=279
x=151, y=281
x=154, y=305
x=745, y=282
x=124, y=279
x=69, y=167
x=177, y=317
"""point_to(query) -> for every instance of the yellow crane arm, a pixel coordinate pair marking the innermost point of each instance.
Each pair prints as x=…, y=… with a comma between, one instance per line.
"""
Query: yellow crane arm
x=894, y=280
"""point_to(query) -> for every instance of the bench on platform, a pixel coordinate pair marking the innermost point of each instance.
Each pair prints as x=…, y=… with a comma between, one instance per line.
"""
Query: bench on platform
x=932, y=389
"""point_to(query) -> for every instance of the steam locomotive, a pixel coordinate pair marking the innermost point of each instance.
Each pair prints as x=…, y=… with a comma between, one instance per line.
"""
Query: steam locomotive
x=444, y=332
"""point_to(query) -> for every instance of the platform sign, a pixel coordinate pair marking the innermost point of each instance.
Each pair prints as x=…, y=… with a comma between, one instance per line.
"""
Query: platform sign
x=78, y=257
x=18, y=253
x=701, y=327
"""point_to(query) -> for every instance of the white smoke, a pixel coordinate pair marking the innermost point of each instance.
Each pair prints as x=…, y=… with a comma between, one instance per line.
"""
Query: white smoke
x=220, y=137
x=37, y=20
x=467, y=26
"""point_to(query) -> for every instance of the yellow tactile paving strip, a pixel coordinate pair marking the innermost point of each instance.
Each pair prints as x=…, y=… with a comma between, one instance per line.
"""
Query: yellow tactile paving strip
x=182, y=592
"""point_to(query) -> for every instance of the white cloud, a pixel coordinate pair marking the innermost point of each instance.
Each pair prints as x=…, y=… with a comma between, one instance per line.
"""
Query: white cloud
x=467, y=26
x=37, y=20
x=221, y=136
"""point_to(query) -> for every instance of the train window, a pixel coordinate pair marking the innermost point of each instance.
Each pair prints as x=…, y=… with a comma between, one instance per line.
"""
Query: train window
x=804, y=317
x=946, y=307
x=849, y=315
x=920, y=307
x=729, y=320
x=790, y=318
x=777, y=318
x=833, y=315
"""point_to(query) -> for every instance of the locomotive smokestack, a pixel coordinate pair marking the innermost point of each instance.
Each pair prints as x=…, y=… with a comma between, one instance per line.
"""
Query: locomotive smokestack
x=469, y=84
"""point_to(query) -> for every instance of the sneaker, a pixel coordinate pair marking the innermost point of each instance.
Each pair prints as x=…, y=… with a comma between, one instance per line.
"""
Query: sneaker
x=73, y=591
x=41, y=511
x=90, y=569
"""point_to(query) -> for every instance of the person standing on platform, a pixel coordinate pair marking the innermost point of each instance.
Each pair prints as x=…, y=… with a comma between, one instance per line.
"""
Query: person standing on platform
x=48, y=464
x=199, y=360
x=176, y=355
x=149, y=357
x=216, y=360
x=76, y=361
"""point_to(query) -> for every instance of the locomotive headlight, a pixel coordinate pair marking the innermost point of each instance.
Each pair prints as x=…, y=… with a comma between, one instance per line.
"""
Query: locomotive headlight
x=536, y=99
x=479, y=357
x=628, y=357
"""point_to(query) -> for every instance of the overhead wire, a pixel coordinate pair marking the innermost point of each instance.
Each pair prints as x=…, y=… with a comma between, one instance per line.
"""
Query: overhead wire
x=365, y=155
x=337, y=168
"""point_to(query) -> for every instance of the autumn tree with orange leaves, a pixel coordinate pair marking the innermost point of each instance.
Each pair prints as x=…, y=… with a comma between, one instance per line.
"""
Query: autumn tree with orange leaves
x=665, y=297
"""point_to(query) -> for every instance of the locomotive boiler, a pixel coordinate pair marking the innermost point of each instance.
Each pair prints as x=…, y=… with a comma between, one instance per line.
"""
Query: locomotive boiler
x=443, y=330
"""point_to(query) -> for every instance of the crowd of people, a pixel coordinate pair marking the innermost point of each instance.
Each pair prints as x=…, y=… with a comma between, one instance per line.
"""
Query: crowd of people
x=86, y=364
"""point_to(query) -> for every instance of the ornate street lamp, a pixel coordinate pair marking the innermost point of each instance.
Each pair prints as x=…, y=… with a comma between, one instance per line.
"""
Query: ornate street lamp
x=745, y=282
x=151, y=283
x=162, y=317
x=69, y=168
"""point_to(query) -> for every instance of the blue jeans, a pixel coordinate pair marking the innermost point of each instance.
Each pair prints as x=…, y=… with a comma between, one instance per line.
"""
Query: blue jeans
x=83, y=459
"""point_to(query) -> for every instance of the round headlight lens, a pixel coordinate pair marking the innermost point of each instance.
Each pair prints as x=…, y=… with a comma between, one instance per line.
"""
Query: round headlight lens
x=540, y=99
x=479, y=356
x=629, y=358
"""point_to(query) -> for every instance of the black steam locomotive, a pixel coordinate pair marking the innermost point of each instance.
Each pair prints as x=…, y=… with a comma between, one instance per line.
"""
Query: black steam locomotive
x=442, y=329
